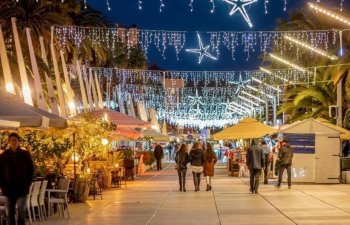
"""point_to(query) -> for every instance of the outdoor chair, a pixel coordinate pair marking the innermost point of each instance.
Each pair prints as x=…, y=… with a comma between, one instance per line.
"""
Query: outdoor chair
x=42, y=207
x=118, y=179
x=34, y=200
x=59, y=197
x=28, y=203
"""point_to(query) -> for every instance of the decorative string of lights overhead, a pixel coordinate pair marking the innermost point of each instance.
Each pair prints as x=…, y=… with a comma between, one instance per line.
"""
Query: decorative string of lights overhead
x=180, y=79
x=246, y=42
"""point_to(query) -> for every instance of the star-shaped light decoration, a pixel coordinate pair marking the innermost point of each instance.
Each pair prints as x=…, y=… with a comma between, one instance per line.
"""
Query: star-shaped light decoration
x=240, y=5
x=241, y=83
x=202, y=51
x=195, y=103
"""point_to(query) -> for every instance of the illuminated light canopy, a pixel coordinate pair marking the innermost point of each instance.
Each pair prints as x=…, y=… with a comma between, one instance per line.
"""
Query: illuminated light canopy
x=270, y=86
x=279, y=77
x=254, y=97
x=260, y=91
x=248, y=100
x=311, y=48
x=329, y=13
x=288, y=63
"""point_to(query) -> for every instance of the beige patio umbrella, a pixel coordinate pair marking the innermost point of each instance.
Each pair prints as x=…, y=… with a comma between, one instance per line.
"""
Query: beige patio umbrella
x=247, y=128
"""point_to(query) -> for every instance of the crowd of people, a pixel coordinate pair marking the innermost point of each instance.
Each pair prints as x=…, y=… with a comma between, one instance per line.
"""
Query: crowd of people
x=202, y=159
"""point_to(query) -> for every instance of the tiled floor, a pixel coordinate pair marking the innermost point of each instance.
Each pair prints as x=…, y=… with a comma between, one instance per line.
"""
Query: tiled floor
x=155, y=199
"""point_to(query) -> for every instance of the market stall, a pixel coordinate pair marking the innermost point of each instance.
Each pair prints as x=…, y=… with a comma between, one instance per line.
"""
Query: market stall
x=317, y=148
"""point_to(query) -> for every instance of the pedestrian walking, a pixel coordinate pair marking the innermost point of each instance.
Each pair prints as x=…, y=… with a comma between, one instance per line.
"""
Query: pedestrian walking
x=210, y=160
x=182, y=159
x=285, y=157
x=197, y=160
x=159, y=154
x=266, y=151
x=16, y=176
x=255, y=162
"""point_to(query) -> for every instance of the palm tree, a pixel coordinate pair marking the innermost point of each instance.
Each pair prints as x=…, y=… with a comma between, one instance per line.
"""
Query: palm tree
x=303, y=101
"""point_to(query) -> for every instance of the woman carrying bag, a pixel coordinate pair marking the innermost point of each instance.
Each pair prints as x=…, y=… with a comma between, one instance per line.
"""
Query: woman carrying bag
x=182, y=159
x=210, y=160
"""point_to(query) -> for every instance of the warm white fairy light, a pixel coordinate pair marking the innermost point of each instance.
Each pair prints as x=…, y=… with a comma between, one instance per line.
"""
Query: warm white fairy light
x=270, y=86
x=288, y=63
x=329, y=13
x=254, y=97
x=311, y=48
x=260, y=91
x=248, y=100
x=279, y=77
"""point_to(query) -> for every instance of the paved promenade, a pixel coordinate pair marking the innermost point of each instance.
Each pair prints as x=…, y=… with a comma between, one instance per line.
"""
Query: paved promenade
x=154, y=199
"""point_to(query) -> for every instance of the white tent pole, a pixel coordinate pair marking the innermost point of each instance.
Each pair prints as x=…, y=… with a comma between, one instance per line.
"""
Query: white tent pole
x=88, y=89
x=70, y=93
x=61, y=99
x=27, y=95
x=94, y=92
x=49, y=84
x=6, y=65
x=120, y=100
x=82, y=88
x=99, y=94
x=37, y=81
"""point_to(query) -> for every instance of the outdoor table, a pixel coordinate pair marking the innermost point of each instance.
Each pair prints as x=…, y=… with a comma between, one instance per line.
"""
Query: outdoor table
x=49, y=191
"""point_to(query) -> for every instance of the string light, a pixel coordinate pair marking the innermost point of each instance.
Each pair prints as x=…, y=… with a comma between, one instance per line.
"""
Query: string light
x=329, y=13
x=175, y=41
x=254, y=97
x=288, y=63
x=269, y=72
x=213, y=6
x=261, y=82
x=311, y=48
x=248, y=100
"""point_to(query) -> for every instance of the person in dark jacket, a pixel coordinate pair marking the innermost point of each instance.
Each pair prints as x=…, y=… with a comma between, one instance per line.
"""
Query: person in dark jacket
x=197, y=161
x=16, y=175
x=255, y=162
x=158, y=154
x=285, y=157
x=210, y=160
x=182, y=159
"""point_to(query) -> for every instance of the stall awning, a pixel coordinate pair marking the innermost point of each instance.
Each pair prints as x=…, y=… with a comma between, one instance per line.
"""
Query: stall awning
x=28, y=116
x=9, y=124
x=155, y=135
x=128, y=133
x=246, y=129
x=120, y=119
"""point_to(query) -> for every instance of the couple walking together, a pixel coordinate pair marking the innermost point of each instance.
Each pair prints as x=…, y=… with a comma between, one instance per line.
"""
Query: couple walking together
x=201, y=160
x=256, y=161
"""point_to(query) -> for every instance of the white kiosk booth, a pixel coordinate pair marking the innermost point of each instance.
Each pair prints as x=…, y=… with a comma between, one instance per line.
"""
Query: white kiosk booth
x=317, y=149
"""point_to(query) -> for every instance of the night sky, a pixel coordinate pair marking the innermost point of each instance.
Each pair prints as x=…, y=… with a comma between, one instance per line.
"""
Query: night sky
x=176, y=15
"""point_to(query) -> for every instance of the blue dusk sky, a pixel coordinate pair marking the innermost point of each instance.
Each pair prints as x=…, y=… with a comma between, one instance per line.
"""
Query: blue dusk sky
x=176, y=15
